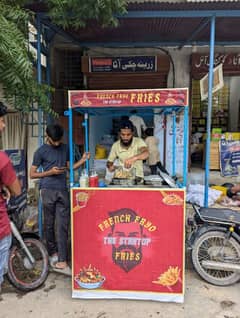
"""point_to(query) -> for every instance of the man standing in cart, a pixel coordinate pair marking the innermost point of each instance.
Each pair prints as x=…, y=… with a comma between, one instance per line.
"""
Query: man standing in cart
x=53, y=157
x=129, y=150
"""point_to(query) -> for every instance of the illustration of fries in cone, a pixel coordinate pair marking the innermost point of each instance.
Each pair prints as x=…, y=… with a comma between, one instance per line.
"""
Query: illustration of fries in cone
x=169, y=278
x=81, y=199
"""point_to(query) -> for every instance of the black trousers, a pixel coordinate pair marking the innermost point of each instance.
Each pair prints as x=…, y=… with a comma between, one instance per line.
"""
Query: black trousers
x=56, y=209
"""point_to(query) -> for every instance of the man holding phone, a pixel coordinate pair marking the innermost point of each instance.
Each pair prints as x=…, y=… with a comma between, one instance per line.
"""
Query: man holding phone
x=53, y=157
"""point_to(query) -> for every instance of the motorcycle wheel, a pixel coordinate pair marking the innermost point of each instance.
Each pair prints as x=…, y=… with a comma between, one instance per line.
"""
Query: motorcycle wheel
x=206, y=247
x=21, y=273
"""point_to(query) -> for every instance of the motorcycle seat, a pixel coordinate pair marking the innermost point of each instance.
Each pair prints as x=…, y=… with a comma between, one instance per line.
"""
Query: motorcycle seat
x=226, y=216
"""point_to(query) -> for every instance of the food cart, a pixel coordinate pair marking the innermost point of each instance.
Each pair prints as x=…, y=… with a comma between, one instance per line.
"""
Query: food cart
x=128, y=242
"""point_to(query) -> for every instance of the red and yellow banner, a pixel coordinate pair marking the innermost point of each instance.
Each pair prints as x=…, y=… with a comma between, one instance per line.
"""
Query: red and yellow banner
x=129, y=98
x=128, y=243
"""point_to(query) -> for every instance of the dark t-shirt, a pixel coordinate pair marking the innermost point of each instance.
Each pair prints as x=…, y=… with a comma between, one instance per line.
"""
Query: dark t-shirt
x=47, y=157
x=7, y=177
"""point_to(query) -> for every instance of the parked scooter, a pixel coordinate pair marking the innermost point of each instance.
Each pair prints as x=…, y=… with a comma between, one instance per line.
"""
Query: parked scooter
x=215, y=244
x=28, y=258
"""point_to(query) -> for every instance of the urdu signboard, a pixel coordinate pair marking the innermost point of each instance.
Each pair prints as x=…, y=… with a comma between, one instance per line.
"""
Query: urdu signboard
x=123, y=64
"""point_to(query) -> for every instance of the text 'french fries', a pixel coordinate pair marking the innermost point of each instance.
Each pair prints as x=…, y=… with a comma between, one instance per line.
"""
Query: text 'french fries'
x=169, y=278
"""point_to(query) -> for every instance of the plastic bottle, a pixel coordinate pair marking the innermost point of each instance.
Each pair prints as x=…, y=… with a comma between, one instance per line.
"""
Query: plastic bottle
x=93, y=179
x=84, y=180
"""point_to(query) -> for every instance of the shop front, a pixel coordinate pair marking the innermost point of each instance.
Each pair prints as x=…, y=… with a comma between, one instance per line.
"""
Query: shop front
x=225, y=106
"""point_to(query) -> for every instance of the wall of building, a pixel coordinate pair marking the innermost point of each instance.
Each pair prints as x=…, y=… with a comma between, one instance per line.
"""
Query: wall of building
x=181, y=70
x=234, y=102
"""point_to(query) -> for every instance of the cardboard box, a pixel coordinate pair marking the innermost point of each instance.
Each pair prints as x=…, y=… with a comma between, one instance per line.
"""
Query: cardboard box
x=216, y=134
x=232, y=136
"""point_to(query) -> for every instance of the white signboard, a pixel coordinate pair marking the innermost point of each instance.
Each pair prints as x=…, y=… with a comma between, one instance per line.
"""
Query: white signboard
x=217, y=82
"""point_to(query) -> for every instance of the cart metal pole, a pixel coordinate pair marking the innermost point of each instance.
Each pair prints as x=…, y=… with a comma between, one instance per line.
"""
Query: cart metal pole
x=209, y=114
x=48, y=78
x=174, y=144
x=85, y=125
x=70, y=125
x=185, y=147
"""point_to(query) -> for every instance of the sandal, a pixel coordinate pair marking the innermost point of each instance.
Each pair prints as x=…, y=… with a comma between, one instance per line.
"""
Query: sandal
x=62, y=270
x=53, y=260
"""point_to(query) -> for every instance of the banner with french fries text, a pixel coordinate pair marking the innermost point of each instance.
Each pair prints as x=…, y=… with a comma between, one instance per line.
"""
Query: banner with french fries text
x=128, y=243
x=128, y=98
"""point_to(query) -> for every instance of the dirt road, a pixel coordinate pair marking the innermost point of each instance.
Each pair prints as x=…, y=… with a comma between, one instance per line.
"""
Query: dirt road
x=54, y=300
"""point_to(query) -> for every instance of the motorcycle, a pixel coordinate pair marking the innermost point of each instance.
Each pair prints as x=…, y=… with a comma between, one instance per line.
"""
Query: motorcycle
x=214, y=241
x=28, y=257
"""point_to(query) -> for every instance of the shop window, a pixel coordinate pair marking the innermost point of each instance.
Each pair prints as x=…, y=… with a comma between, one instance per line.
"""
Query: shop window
x=220, y=109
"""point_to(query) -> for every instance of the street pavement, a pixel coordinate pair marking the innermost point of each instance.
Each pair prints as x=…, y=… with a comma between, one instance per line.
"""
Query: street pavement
x=53, y=299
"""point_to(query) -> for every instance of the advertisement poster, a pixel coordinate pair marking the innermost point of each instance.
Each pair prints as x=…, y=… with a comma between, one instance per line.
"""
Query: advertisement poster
x=128, y=244
x=179, y=145
x=128, y=98
x=230, y=157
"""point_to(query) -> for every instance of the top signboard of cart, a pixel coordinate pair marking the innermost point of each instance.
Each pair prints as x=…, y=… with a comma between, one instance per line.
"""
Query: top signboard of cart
x=128, y=98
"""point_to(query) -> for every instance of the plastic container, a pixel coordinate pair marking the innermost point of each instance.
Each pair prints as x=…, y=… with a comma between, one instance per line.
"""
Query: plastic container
x=84, y=179
x=101, y=152
x=108, y=176
x=102, y=184
x=93, y=179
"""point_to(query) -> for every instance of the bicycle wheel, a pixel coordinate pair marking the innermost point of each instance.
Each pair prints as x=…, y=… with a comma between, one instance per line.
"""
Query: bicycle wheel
x=21, y=273
x=212, y=246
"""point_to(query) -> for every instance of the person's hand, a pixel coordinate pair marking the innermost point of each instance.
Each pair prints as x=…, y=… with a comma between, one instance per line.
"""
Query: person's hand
x=111, y=168
x=236, y=197
x=86, y=156
x=129, y=162
x=6, y=193
x=57, y=170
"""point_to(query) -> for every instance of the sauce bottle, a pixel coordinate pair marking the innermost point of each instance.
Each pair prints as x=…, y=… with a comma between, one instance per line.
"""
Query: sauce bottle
x=93, y=179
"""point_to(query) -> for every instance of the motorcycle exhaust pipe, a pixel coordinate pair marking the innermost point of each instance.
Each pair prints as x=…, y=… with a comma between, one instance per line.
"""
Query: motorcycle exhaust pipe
x=221, y=266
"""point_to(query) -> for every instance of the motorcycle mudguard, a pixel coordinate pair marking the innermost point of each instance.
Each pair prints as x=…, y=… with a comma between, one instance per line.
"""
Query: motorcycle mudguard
x=30, y=235
x=207, y=228
x=25, y=235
